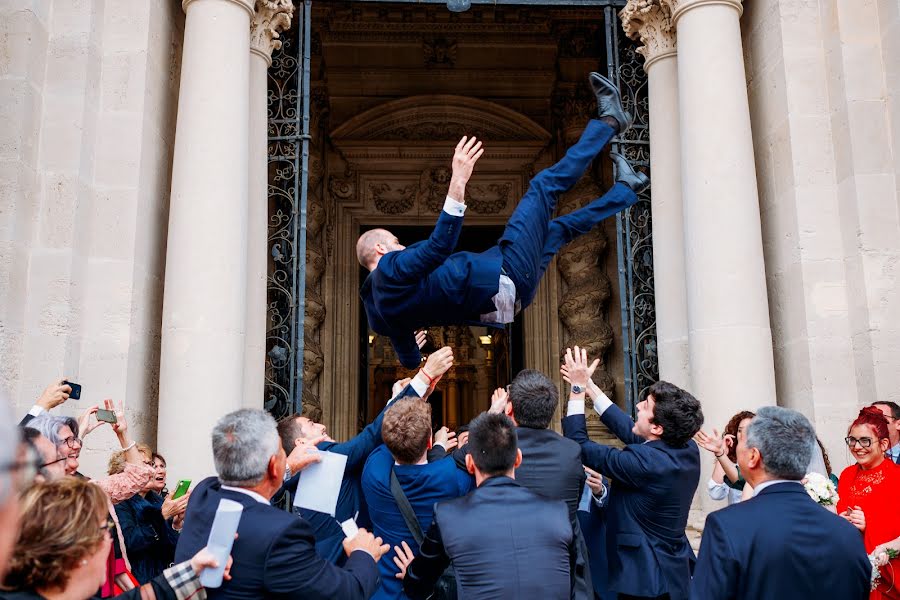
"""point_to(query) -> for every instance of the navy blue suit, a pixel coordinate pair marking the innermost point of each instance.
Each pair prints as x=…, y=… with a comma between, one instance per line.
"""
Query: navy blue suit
x=653, y=484
x=505, y=542
x=593, y=526
x=780, y=544
x=427, y=284
x=274, y=555
x=423, y=485
x=350, y=504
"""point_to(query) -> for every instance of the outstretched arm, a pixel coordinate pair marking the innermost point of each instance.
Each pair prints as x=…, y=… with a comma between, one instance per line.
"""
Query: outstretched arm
x=421, y=259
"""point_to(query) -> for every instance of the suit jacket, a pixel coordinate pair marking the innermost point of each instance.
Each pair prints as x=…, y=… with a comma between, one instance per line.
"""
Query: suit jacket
x=425, y=284
x=780, y=544
x=351, y=504
x=593, y=527
x=653, y=485
x=423, y=485
x=274, y=555
x=505, y=542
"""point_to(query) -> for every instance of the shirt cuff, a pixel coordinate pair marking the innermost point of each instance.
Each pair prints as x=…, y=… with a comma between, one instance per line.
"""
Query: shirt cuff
x=420, y=385
x=454, y=207
x=604, y=492
x=601, y=403
x=36, y=411
x=576, y=407
x=183, y=580
x=441, y=444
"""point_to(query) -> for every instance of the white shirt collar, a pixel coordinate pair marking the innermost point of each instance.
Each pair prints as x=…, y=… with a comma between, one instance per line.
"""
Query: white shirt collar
x=250, y=493
x=894, y=451
x=766, y=484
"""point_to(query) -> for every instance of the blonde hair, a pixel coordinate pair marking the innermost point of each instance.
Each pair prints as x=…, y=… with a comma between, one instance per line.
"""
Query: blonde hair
x=117, y=460
x=59, y=527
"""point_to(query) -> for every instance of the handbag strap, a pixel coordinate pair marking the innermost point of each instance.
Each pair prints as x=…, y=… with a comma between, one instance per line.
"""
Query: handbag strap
x=406, y=509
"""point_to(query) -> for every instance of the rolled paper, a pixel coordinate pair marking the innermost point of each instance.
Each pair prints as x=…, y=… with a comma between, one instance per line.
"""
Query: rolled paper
x=221, y=539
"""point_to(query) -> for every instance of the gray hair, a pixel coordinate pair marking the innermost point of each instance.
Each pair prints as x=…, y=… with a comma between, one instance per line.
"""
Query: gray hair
x=785, y=439
x=9, y=447
x=49, y=426
x=243, y=441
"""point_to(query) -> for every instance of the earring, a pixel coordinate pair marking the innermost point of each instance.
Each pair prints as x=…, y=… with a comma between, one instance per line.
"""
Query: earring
x=83, y=562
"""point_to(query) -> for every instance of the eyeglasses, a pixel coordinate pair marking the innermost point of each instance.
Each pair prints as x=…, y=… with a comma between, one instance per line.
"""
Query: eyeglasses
x=863, y=442
x=72, y=442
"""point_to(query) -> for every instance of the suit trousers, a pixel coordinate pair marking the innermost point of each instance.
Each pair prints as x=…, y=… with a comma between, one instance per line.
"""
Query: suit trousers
x=531, y=238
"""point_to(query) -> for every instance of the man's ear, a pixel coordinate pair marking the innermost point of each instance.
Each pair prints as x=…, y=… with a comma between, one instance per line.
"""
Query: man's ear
x=755, y=458
x=508, y=410
x=518, y=458
x=379, y=248
x=656, y=430
x=273, y=470
x=470, y=464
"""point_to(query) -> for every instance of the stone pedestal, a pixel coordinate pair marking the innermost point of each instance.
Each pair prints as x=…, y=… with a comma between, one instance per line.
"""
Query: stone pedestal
x=204, y=303
x=731, y=359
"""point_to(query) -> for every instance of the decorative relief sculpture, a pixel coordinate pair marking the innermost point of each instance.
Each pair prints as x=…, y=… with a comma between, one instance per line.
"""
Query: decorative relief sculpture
x=270, y=18
x=439, y=52
x=650, y=22
x=392, y=199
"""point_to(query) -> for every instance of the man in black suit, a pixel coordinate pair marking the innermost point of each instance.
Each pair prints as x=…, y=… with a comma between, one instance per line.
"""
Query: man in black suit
x=275, y=549
x=505, y=541
x=780, y=543
x=551, y=464
x=653, y=481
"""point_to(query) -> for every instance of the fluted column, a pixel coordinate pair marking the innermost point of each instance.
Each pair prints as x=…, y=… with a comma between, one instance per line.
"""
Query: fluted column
x=271, y=18
x=651, y=22
x=731, y=359
x=204, y=302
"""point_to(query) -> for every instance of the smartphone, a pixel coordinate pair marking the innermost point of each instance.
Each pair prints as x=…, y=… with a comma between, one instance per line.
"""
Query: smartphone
x=106, y=415
x=181, y=489
x=75, y=394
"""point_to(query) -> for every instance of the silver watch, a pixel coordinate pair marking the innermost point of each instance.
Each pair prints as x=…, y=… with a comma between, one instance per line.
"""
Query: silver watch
x=577, y=389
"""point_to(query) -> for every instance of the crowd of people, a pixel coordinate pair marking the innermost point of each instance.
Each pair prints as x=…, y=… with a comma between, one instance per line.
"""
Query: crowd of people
x=504, y=507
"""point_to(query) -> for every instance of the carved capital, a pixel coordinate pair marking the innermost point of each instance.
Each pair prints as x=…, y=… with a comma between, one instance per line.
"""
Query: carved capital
x=679, y=7
x=269, y=20
x=650, y=22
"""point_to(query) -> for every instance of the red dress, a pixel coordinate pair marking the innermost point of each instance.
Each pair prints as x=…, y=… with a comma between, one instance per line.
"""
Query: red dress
x=876, y=492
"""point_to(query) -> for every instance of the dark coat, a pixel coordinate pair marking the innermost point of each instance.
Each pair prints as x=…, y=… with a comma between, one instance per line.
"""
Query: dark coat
x=149, y=539
x=780, y=544
x=274, y=555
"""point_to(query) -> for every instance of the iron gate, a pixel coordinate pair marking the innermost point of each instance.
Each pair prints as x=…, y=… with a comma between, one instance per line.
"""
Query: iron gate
x=288, y=150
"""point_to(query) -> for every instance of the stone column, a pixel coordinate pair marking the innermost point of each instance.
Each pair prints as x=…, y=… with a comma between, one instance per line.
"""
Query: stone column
x=651, y=22
x=204, y=302
x=732, y=368
x=270, y=18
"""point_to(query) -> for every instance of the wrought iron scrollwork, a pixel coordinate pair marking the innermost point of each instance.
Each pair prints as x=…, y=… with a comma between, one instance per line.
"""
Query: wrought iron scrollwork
x=634, y=226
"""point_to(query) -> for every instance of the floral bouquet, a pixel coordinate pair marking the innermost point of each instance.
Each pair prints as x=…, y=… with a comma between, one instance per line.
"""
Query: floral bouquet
x=882, y=571
x=821, y=489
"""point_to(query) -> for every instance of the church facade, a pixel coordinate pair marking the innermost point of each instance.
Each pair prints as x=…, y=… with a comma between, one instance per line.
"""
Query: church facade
x=183, y=187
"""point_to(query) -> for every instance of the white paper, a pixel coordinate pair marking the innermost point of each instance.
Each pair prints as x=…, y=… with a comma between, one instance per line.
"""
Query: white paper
x=350, y=528
x=584, y=504
x=221, y=538
x=320, y=483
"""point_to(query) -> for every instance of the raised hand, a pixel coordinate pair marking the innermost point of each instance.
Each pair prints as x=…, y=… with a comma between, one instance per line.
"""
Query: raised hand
x=121, y=424
x=578, y=371
x=88, y=422
x=498, y=401
x=404, y=556
x=171, y=508
x=421, y=338
x=438, y=363
x=446, y=438
x=304, y=454
x=715, y=443
x=55, y=394
x=594, y=481
x=399, y=385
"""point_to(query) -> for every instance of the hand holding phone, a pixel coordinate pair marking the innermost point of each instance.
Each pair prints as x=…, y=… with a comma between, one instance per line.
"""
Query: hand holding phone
x=107, y=416
x=181, y=489
x=75, y=394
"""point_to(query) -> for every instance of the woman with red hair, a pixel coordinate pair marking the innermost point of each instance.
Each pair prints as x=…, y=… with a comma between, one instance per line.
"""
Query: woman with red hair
x=869, y=489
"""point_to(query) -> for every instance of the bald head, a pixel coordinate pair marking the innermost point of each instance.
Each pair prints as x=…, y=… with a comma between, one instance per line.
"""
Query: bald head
x=374, y=244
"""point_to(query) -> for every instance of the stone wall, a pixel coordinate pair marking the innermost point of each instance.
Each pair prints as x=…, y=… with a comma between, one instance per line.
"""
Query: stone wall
x=823, y=80
x=88, y=92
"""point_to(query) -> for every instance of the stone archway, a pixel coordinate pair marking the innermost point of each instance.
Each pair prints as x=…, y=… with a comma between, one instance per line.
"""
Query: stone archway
x=390, y=165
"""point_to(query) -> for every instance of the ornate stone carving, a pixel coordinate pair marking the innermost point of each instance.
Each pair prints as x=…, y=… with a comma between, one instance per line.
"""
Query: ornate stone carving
x=439, y=52
x=342, y=188
x=679, y=7
x=392, y=199
x=489, y=199
x=269, y=20
x=650, y=22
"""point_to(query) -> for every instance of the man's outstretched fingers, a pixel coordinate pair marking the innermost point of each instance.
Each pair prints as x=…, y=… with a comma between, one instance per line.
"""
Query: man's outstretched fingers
x=461, y=143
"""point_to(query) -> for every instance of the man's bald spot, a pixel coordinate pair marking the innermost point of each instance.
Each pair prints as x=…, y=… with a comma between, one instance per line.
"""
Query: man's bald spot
x=365, y=246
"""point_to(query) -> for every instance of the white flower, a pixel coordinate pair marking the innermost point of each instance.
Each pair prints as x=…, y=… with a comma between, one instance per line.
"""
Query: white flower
x=821, y=489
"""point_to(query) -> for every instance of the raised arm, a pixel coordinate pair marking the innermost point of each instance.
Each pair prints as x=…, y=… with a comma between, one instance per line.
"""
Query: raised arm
x=421, y=259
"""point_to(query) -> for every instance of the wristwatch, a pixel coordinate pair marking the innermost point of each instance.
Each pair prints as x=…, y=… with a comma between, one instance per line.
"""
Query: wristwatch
x=577, y=389
x=287, y=473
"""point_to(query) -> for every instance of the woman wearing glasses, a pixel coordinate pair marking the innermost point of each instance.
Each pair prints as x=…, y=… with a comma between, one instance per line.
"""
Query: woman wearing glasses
x=869, y=489
x=63, y=543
